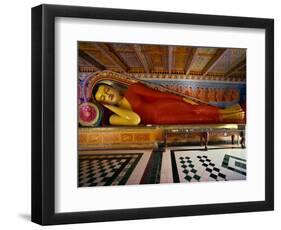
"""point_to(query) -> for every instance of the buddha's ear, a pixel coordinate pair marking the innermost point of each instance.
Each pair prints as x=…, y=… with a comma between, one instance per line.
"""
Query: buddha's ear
x=98, y=94
x=96, y=90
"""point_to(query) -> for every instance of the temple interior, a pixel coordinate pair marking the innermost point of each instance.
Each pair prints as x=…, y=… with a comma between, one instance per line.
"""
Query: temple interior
x=152, y=114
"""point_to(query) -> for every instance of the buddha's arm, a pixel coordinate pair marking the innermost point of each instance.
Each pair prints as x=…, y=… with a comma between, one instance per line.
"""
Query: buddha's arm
x=123, y=116
x=189, y=101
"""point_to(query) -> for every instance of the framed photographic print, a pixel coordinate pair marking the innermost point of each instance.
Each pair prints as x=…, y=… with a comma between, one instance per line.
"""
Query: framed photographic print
x=142, y=114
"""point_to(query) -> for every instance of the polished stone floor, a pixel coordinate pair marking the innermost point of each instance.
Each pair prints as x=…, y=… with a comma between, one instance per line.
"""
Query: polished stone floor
x=182, y=164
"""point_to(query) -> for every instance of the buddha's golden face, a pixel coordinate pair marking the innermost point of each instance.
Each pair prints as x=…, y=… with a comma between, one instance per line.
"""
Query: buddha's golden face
x=107, y=94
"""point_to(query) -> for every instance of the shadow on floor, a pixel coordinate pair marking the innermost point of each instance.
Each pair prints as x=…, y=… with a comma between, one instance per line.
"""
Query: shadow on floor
x=25, y=216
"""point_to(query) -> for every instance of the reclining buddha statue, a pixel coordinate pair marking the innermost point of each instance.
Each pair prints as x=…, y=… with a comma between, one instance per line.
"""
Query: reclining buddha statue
x=140, y=104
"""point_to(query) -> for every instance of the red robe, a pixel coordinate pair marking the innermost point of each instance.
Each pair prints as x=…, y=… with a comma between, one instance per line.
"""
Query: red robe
x=155, y=107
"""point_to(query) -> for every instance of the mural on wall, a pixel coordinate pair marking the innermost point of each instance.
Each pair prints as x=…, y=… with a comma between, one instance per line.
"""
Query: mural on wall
x=222, y=94
x=218, y=94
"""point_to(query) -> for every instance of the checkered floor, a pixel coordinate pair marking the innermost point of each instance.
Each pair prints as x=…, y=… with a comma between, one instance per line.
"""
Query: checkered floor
x=173, y=165
x=191, y=165
x=103, y=168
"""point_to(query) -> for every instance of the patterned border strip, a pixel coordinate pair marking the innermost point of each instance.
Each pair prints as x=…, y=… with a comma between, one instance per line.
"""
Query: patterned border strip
x=226, y=161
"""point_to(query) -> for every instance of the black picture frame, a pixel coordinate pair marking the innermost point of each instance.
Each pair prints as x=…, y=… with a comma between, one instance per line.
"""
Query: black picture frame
x=43, y=114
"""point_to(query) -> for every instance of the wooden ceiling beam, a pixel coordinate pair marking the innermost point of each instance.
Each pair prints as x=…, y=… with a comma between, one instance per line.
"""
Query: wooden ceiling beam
x=111, y=55
x=236, y=68
x=170, y=58
x=91, y=60
x=87, y=46
x=213, y=61
x=142, y=58
x=190, y=60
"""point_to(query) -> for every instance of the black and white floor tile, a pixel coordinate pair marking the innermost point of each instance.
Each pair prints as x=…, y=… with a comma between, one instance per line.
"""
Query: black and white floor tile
x=173, y=165
x=112, y=167
x=186, y=164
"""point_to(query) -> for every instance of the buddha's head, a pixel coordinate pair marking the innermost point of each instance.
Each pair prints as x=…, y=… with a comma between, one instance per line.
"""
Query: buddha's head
x=107, y=94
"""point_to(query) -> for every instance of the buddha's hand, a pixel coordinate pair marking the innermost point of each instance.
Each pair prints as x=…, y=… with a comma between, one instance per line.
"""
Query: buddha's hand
x=122, y=116
x=189, y=101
